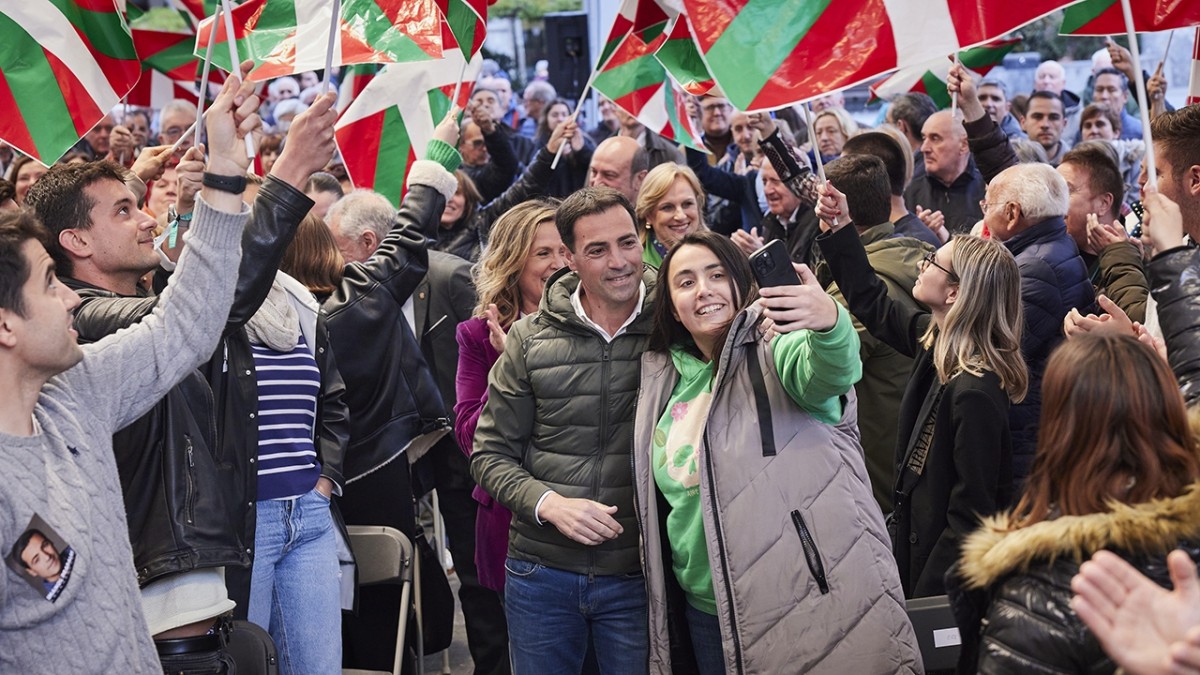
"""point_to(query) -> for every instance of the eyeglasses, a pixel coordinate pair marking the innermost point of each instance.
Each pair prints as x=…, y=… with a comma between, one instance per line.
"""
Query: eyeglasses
x=984, y=205
x=931, y=259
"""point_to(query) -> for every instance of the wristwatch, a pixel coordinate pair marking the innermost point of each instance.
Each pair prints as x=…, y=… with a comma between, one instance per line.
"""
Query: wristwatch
x=232, y=184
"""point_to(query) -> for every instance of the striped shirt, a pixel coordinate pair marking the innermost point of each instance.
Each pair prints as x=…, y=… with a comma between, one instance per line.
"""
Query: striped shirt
x=288, y=386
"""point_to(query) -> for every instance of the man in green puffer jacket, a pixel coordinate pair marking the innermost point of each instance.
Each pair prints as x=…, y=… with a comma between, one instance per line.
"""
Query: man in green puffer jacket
x=553, y=446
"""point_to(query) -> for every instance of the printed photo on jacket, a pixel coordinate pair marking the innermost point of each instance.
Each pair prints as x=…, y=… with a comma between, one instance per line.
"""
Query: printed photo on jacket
x=42, y=558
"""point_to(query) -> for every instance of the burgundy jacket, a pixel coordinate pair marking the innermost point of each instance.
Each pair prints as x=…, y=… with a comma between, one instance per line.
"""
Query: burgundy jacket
x=475, y=359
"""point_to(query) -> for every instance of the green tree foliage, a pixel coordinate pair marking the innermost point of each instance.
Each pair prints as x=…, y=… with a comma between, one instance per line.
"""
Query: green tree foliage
x=532, y=10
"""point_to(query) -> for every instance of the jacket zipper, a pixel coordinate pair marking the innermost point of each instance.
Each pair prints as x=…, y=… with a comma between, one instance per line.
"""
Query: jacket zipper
x=605, y=373
x=191, y=487
x=712, y=496
x=811, y=554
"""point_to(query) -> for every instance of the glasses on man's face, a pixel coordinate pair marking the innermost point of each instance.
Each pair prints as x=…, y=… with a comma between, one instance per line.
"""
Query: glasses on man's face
x=477, y=143
x=931, y=259
x=715, y=107
x=985, y=205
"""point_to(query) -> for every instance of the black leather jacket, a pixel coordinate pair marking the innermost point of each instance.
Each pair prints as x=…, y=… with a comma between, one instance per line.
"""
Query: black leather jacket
x=189, y=492
x=393, y=398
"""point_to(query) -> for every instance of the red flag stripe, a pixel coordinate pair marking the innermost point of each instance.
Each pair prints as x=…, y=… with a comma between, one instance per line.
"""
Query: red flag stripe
x=15, y=132
x=78, y=99
x=846, y=45
x=365, y=133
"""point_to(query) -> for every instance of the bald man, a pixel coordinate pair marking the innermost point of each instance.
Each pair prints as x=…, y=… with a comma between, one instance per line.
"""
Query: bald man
x=621, y=164
x=951, y=184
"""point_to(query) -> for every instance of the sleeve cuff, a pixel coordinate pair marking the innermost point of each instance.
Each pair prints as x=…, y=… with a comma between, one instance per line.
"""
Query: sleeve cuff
x=443, y=153
x=537, y=508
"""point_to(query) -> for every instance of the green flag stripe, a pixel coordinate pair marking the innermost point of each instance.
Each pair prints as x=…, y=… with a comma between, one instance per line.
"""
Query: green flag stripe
x=682, y=60
x=43, y=108
x=175, y=56
x=630, y=76
x=392, y=163
x=1079, y=15
x=103, y=30
x=761, y=37
x=379, y=31
x=936, y=88
x=463, y=21
x=277, y=21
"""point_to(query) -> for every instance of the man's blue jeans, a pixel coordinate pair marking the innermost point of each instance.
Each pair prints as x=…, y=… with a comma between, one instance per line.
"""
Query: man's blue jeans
x=553, y=613
x=294, y=589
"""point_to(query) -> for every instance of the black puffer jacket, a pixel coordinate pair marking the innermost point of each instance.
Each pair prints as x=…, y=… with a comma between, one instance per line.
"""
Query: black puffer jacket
x=1012, y=592
x=1054, y=279
x=1011, y=601
x=187, y=496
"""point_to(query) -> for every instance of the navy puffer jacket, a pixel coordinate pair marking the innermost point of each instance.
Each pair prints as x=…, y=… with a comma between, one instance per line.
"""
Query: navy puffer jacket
x=1054, y=279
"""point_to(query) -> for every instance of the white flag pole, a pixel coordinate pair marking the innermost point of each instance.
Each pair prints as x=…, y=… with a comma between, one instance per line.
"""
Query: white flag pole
x=235, y=64
x=1143, y=106
x=954, y=96
x=335, y=23
x=582, y=97
x=812, y=138
x=1194, y=83
x=212, y=40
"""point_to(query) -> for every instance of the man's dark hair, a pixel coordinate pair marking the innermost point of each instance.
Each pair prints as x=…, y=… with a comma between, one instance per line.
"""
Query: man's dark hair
x=914, y=108
x=587, y=201
x=1113, y=71
x=864, y=181
x=323, y=182
x=879, y=144
x=1104, y=175
x=7, y=191
x=23, y=541
x=1177, y=133
x=1102, y=110
x=16, y=228
x=1049, y=96
x=60, y=201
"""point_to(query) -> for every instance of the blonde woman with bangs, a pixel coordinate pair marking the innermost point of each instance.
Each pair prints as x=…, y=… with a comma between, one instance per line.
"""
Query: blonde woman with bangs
x=954, y=449
x=670, y=206
x=524, y=251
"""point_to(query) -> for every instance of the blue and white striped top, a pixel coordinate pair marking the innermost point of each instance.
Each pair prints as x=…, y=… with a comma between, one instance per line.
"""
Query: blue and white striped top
x=288, y=386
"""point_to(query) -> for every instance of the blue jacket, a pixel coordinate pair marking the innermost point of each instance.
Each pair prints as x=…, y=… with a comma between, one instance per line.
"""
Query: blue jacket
x=1054, y=279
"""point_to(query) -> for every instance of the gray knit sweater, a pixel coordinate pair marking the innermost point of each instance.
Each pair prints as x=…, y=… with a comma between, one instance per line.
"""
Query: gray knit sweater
x=66, y=474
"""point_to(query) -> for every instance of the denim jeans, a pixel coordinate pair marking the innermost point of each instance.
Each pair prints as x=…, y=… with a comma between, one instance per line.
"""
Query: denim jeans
x=294, y=590
x=552, y=614
x=705, y=631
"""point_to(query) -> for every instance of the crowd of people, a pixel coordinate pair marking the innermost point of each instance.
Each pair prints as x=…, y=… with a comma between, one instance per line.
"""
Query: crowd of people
x=650, y=454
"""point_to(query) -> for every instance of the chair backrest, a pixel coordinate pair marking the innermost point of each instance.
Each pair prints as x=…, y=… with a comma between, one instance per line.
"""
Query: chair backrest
x=937, y=631
x=383, y=554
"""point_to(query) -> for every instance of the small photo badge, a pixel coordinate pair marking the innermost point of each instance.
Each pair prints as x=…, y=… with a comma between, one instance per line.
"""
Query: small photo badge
x=42, y=558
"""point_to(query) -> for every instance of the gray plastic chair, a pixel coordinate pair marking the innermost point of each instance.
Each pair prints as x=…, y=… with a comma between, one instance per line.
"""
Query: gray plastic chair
x=384, y=555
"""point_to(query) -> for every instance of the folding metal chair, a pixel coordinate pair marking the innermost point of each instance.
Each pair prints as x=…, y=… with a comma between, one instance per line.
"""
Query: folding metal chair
x=384, y=555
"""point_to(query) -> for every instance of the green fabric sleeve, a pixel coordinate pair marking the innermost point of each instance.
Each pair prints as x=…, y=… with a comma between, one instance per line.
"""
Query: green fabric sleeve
x=443, y=153
x=817, y=368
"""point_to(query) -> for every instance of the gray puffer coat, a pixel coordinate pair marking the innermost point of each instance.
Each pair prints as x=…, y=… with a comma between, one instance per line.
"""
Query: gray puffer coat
x=804, y=578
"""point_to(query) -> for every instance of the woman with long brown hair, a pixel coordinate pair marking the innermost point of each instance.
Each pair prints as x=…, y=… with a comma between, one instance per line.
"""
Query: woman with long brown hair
x=1116, y=468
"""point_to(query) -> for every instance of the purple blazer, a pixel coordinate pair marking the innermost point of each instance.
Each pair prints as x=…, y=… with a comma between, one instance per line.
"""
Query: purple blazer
x=476, y=356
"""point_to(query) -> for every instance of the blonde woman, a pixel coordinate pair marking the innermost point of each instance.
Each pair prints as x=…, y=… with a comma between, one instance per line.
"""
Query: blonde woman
x=523, y=253
x=670, y=206
x=833, y=127
x=954, y=451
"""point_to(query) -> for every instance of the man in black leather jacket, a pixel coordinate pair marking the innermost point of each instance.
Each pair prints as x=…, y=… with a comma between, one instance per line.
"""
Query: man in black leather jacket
x=188, y=489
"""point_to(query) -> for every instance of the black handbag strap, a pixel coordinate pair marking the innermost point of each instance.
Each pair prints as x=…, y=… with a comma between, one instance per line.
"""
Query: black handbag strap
x=921, y=439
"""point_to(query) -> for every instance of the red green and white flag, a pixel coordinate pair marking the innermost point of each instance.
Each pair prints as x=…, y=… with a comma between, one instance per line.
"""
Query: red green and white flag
x=195, y=11
x=389, y=124
x=931, y=77
x=63, y=65
x=1104, y=17
x=354, y=80
x=155, y=90
x=467, y=22
x=167, y=53
x=286, y=37
x=634, y=79
x=1193, y=96
x=766, y=54
x=681, y=57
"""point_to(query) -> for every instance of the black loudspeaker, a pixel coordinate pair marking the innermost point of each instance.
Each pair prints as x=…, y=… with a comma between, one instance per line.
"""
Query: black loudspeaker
x=568, y=53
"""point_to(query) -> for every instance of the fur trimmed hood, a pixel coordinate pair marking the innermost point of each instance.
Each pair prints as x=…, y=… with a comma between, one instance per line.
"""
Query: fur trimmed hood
x=1156, y=527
